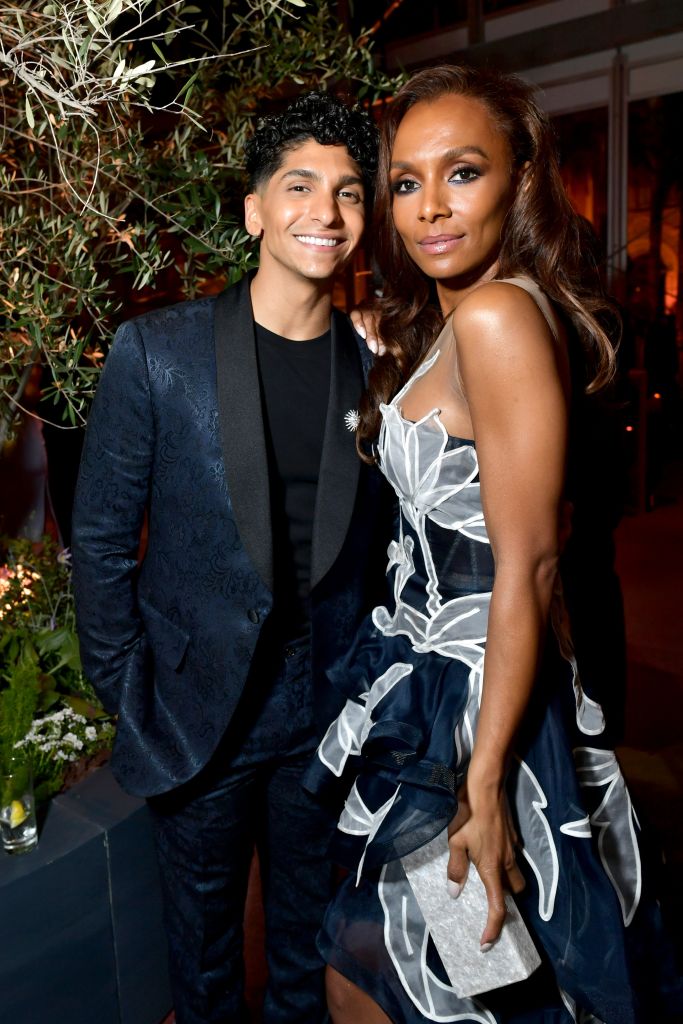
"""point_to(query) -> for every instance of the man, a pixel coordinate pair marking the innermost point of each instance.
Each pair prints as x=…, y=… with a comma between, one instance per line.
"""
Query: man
x=224, y=418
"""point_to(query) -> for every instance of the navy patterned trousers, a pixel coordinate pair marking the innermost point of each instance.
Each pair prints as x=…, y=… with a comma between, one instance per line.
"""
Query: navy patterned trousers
x=249, y=796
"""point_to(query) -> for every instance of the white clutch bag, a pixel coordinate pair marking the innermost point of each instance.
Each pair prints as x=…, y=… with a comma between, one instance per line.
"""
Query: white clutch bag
x=456, y=925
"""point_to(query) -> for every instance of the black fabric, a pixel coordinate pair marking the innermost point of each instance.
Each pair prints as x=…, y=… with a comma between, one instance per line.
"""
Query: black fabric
x=249, y=795
x=177, y=429
x=295, y=385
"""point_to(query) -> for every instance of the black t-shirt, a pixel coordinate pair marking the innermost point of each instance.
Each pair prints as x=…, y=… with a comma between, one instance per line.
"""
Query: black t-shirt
x=295, y=384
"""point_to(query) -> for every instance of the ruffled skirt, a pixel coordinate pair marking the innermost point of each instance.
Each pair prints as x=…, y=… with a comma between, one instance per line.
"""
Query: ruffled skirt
x=394, y=760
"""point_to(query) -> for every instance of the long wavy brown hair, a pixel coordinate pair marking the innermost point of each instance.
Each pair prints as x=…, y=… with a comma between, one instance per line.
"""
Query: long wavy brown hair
x=542, y=237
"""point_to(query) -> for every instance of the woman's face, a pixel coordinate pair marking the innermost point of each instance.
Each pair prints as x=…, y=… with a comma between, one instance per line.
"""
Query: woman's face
x=452, y=184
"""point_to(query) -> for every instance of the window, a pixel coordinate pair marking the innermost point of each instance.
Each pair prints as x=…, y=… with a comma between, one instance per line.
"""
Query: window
x=655, y=194
x=582, y=146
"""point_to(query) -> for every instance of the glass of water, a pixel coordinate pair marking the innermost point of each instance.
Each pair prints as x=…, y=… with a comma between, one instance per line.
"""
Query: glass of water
x=17, y=809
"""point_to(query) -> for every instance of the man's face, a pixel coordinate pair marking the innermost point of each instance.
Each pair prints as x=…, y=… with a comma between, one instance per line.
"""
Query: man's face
x=311, y=213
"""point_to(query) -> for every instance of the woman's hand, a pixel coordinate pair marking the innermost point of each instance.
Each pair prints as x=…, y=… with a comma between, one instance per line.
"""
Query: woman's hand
x=482, y=832
x=365, y=324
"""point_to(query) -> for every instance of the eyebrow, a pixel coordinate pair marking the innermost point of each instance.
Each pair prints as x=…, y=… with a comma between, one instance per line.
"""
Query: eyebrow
x=451, y=154
x=310, y=175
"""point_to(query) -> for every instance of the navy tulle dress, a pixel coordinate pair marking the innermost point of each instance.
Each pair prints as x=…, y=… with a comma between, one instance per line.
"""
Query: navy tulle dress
x=399, y=751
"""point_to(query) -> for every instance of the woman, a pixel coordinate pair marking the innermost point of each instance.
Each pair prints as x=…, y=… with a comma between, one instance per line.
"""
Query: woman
x=472, y=430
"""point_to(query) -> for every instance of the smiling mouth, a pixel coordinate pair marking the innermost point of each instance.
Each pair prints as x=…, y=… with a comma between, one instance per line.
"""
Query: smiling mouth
x=322, y=242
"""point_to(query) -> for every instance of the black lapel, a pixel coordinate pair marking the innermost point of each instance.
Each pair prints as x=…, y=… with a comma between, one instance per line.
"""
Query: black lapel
x=241, y=423
x=339, y=465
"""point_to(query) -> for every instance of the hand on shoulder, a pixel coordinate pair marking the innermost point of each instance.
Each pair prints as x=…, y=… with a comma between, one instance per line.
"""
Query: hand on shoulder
x=366, y=323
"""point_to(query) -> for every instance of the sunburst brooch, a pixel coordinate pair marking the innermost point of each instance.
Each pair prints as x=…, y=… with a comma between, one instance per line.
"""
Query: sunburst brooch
x=352, y=419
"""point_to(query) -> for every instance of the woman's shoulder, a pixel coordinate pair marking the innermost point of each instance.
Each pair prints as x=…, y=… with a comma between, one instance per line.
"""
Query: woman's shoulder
x=496, y=306
x=503, y=294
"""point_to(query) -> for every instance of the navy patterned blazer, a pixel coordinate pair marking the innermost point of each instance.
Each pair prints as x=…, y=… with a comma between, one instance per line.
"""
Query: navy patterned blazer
x=177, y=429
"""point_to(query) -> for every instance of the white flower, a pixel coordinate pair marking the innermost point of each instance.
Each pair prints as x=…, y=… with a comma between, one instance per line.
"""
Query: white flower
x=90, y=732
x=72, y=739
x=352, y=419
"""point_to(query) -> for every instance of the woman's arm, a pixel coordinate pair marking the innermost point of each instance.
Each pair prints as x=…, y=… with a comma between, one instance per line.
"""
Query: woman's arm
x=511, y=372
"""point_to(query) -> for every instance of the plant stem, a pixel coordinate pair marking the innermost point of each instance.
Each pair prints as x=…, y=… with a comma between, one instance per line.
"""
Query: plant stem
x=10, y=411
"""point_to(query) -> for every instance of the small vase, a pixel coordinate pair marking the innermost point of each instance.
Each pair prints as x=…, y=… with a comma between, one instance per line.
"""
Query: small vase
x=18, y=828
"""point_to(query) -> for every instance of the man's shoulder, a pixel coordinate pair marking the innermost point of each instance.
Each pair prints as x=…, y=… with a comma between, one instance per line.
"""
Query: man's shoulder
x=191, y=321
x=179, y=317
x=344, y=327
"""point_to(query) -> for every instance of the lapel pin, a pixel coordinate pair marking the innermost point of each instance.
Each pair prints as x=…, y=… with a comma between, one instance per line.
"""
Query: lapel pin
x=352, y=419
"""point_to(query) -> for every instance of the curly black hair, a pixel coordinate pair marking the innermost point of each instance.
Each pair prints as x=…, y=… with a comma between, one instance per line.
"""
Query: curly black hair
x=318, y=116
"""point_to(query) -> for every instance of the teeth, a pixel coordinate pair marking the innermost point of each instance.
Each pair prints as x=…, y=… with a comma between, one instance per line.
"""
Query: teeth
x=314, y=240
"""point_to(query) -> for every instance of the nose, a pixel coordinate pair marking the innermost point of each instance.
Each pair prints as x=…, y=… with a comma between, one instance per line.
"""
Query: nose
x=325, y=209
x=433, y=203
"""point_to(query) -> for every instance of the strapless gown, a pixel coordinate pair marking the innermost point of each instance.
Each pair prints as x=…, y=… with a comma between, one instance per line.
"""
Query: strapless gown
x=397, y=754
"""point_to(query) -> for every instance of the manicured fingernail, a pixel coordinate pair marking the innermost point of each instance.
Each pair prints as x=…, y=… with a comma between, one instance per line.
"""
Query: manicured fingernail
x=485, y=947
x=361, y=330
x=373, y=346
x=453, y=889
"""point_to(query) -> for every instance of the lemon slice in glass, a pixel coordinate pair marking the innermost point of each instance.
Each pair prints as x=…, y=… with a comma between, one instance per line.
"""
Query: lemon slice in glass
x=17, y=814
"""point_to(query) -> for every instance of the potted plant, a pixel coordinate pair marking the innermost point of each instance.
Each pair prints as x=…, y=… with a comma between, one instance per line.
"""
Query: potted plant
x=48, y=710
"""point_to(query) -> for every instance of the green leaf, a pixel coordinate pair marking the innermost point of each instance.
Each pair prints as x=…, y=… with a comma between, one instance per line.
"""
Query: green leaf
x=83, y=707
x=64, y=643
x=48, y=699
x=114, y=11
x=118, y=70
x=141, y=69
x=29, y=113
